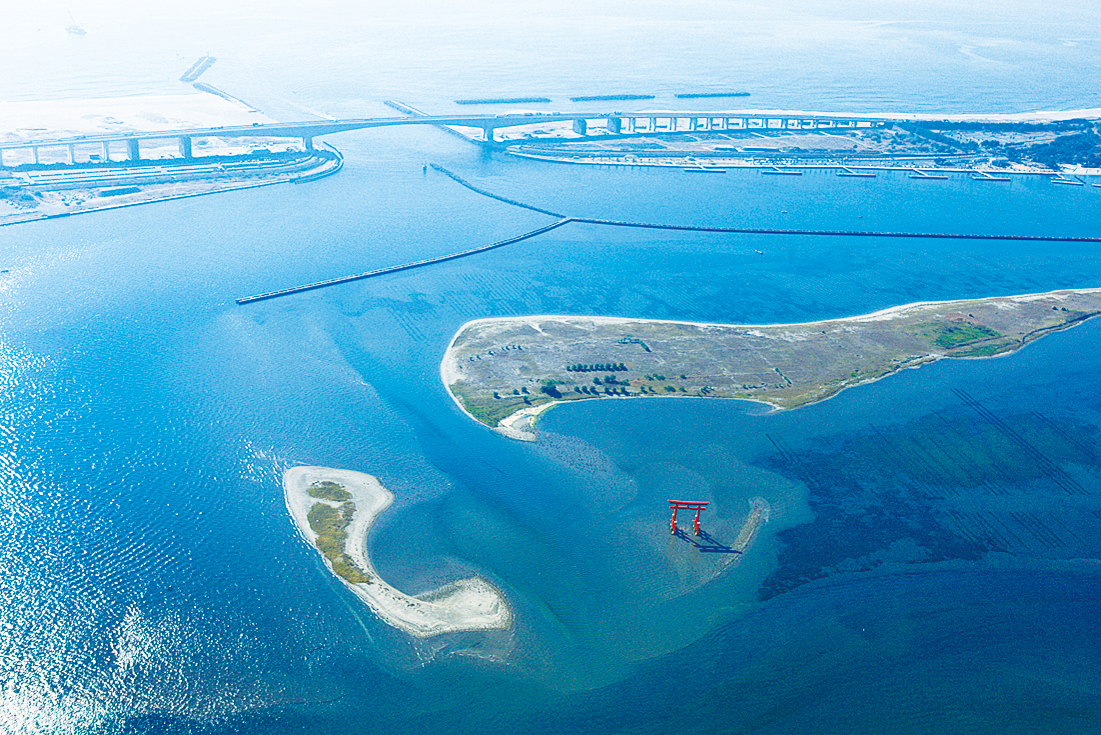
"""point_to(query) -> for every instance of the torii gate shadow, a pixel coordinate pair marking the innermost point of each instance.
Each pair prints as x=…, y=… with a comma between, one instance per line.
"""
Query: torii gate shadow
x=709, y=544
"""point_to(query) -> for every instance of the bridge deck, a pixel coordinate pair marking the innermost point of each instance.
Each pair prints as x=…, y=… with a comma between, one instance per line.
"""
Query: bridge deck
x=789, y=120
x=315, y=128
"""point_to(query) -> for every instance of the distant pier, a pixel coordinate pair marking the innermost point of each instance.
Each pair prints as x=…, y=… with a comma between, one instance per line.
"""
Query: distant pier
x=919, y=173
x=853, y=173
x=197, y=69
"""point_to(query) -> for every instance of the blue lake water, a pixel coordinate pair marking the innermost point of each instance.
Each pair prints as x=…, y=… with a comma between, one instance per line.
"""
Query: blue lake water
x=926, y=566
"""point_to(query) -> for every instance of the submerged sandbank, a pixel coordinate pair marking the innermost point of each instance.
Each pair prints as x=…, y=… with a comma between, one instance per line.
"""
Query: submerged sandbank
x=465, y=604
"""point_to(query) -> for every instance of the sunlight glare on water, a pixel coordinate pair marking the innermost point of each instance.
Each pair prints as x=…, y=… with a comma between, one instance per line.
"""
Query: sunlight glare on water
x=151, y=580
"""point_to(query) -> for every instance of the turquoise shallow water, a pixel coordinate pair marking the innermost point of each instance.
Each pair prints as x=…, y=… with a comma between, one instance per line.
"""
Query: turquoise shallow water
x=922, y=570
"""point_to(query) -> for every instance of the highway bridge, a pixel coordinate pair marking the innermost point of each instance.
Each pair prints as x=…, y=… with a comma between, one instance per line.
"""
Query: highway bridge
x=583, y=124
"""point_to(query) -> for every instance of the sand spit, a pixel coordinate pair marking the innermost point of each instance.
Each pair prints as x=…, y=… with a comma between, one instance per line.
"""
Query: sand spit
x=504, y=371
x=465, y=604
x=25, y=121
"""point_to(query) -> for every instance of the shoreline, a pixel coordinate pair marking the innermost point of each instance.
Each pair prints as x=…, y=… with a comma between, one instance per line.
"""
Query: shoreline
x=108, y=207
x=465, y=604
x=902, y=164
x=333, y=166
x=890, y=312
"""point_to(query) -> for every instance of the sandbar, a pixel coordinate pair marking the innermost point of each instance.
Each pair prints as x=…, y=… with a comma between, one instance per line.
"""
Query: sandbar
x=34, y=120
x=465, y=604
x=504, y=371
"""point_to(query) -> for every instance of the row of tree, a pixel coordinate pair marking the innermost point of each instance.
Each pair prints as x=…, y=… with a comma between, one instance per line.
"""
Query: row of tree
x=1013, y=127
x=603, y=367
x=1083, y=148
x=594, y=391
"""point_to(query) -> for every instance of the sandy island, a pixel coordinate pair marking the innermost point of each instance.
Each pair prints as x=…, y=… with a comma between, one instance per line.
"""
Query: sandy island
x=466, y=604
x=503, y=372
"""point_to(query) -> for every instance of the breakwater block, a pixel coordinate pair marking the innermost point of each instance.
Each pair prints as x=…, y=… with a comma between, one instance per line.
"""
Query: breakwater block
x=501, y=100
x=609, y=97
x=197, y=69
x=702, y=95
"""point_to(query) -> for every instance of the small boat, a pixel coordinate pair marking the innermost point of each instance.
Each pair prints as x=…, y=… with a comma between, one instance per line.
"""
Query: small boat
x=76, y=29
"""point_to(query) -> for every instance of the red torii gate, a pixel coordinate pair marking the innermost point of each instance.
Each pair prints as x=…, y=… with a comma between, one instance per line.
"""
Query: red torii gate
x=686, y=505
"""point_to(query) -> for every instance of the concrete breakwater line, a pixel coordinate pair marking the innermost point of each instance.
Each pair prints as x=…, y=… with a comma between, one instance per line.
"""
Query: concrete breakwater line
x=759, y=230
x=463, y=182
x=402, y=267
x=565, y=220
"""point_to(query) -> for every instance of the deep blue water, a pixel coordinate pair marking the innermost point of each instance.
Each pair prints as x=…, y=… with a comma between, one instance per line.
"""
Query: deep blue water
x=916, y=575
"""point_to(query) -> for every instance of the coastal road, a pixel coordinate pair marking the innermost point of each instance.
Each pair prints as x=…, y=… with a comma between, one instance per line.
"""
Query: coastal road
x=314, y=128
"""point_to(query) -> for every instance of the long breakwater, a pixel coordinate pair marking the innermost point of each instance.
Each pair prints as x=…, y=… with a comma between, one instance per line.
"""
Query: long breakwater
x=402, y=267
x=564, y=220
x=463, y=182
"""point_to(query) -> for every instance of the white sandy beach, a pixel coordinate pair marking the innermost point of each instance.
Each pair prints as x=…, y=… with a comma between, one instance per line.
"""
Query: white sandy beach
x=521, y=425
x=465, y=604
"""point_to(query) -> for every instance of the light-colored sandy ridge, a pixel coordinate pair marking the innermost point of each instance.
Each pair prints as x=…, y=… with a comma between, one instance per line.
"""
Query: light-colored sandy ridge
x=24, y=121
x=758, y=516
x=465, y=604
x=504, y=371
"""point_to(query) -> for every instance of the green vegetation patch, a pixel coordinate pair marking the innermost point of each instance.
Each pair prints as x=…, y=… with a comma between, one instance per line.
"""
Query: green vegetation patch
x=983, y=350
x=948, y=334
x=331, y=524
x=492, y=415
x=489, y=410
x=329, y=491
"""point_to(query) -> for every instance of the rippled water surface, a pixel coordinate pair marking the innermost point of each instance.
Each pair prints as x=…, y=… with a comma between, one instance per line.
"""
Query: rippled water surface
x=930, y=562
